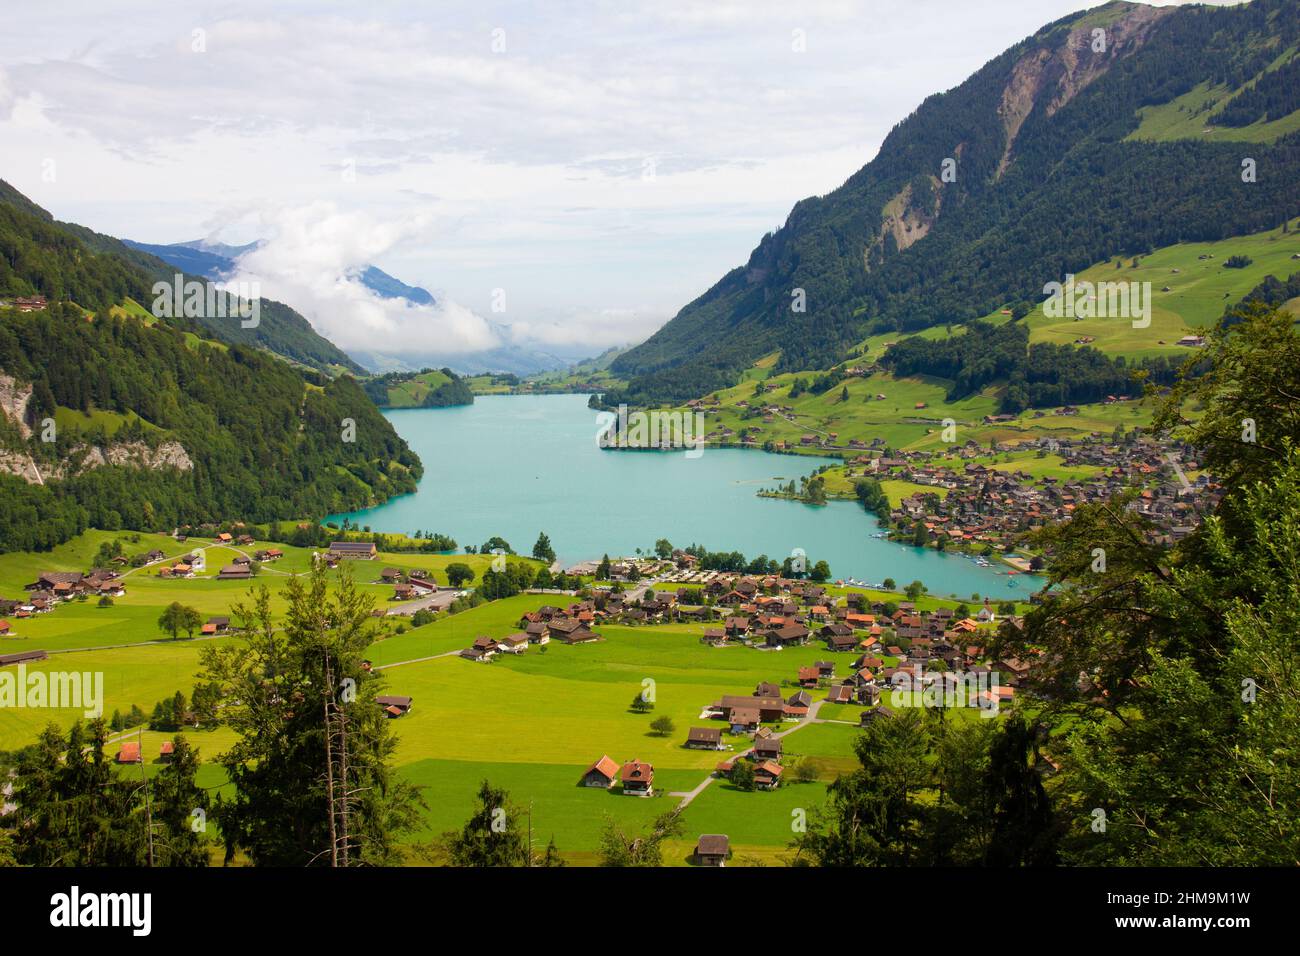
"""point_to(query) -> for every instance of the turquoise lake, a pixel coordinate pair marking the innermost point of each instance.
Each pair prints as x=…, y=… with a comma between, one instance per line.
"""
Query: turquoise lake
x=517, y=465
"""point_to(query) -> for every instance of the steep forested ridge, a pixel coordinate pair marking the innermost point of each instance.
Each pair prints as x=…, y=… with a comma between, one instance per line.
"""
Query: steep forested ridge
x=1046, y=183
x=66, y=261
x=265, y=440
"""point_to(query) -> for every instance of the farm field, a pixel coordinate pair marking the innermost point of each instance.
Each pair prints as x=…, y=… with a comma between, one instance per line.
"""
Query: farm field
x=133, y=617
x=531, y=724
x=534, y=723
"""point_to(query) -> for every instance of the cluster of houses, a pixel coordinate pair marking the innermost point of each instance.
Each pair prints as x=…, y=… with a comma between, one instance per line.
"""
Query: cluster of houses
x=52, y=588
x=569, y=625
x=130, y=753
x=994, y=506
x=635, y=778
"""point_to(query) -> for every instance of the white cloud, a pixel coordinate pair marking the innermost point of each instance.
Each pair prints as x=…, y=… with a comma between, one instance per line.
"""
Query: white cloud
x=310, y=259
x=524, y=168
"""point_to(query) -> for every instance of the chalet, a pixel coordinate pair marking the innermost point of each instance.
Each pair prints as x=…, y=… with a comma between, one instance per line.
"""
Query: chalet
x=154, y=555
x=581, y=635
x=1016, y=669
x=514, y=643
x=875, y=713
x=637, y=778
x=712, y=849
x=562, y=627
x=391, y=575
x=235, y=572
x=809, y=676
x=130, y=753
x=840, y=694
x=767, y=748
x=745, y=719
x=269, y=554
x=59, y=582
x=841, y=642
x=767, y=689
x=403, y=591
x=225, y=538
x=393, y=706
x=488, y=645
x=787, y=634
x=704, y=738
x=736, y=626
x=601, y=774
x=244, y=539
x=767, y=708
x=167, y=750
x=242, y=559
x=4, y=628
x=800, y=698
x=767, y=775
x=715, y=636
x=356, y=550
x=220, y=625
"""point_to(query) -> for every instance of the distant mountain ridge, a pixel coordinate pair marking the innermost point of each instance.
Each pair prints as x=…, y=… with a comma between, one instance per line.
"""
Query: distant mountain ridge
x=1029, y=169
x=216, y=262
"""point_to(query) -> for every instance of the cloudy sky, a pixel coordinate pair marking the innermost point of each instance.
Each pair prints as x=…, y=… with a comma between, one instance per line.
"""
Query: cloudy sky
x=586, y=168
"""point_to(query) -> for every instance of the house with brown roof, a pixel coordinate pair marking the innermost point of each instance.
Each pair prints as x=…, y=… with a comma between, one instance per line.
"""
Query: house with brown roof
x=712, y=849
x=637, y=778
x=601, y=774
x=394, y=705
x=840, y=694
x=766, y=708
x=786, y=635
x=704, y=738
x=356, y=550
x=767, y=775
x=514, y=643
x=767, y=748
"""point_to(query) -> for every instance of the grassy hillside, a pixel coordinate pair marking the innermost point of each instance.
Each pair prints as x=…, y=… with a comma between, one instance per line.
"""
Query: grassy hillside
x=431, y=388
x=1200, y=289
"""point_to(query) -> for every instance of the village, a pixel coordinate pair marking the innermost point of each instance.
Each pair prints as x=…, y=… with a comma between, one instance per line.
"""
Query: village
x=878, y=652
x=978, y=504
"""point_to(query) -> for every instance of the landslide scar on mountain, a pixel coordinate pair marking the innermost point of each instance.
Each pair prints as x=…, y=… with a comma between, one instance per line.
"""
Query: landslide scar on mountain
x=1063, y=72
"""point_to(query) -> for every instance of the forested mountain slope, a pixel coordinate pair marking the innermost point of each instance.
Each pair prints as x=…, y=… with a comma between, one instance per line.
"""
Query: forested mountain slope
x=1046, y=177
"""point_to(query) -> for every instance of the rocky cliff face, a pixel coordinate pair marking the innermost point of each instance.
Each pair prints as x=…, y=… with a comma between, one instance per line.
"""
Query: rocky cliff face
x=83, y=458
x=15, y=400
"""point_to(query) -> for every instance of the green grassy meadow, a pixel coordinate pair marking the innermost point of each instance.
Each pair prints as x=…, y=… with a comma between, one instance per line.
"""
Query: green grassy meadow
x=531, y=723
